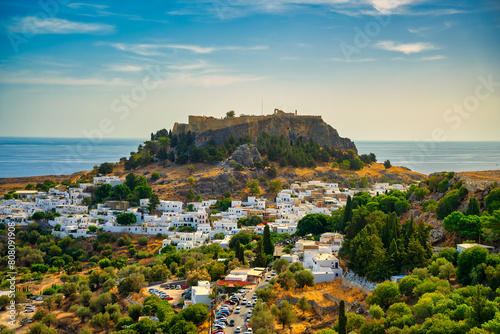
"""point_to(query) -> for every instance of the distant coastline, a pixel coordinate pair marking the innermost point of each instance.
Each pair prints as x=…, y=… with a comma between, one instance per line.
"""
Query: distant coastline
x=32, y=156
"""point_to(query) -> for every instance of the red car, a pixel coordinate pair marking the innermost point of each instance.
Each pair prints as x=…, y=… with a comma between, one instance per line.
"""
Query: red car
x=184, y=287
x=169, y=298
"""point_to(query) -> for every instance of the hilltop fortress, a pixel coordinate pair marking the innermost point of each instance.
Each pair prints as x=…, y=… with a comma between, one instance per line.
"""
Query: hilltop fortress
x=290, y=125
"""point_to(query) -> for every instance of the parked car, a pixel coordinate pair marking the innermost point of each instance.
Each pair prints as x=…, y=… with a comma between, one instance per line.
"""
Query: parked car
x=167, y=286
x=178, y=287
x=184, y=287
x=237, y=310
x=249, y=304
x=237, y=330
x=172, y=287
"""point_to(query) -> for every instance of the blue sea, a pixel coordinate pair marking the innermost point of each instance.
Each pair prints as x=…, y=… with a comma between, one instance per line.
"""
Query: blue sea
x=54, y=156
x=429, y=157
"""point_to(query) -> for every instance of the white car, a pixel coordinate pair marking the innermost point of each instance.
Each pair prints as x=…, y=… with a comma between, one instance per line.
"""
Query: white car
x=237, y=310
x=249, y=304
x=244, y=301
x=237, y=330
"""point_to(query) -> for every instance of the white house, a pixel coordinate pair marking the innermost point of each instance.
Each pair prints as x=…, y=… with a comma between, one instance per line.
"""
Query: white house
x=201, y=293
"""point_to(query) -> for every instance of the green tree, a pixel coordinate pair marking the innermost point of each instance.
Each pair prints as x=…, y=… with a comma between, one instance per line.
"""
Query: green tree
x=469, y=260
x=315, y=224
x=284, y=313
x=49, y=319
x=196, y=313
x=38, y=216
x=154, y=201
x=492, y=201
x=268, y=244
x=106, y=168
x=303, y=305
x=387, y=164
x=253, y=187
x=280, y=265
x=121, y=191
x=304, y=278
x=275, y=186
x=100, y=320
x=82, y=313
x=135, y=311
x=230, y=114
x=473, y=207
x=342, y=318
x=385, y=294
x=155, y=176
x=127, y=218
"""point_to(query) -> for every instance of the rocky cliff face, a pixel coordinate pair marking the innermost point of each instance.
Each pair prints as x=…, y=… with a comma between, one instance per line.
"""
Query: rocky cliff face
x=292, y=127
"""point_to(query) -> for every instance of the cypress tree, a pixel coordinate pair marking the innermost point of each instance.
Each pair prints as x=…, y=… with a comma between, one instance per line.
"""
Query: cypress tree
x=347, y=213
x=268, y=244
x=473, y=207
x=342, y=318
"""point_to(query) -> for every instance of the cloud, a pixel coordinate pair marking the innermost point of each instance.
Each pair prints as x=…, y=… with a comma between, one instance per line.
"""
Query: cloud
x=124, y=68
x=225, y=9
x=404, y=48
x=35, y=25
x=20, y=79
x=438, y=57
x=153, y=49
x=200, y=65
x=387, y=6
x=79, y=5
x=211, y=80
x=364, y=60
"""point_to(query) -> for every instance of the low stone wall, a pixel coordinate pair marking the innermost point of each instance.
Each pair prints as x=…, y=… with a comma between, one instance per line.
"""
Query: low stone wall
x=353, y=285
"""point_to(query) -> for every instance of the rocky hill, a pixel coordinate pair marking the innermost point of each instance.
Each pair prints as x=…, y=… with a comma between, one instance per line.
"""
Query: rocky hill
x=290, y=125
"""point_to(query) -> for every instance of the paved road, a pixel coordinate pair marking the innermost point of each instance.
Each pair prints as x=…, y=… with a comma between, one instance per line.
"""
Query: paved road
x=239, y=319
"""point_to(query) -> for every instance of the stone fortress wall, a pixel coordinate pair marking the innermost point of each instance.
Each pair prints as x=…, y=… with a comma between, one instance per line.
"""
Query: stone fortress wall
x=200, y=124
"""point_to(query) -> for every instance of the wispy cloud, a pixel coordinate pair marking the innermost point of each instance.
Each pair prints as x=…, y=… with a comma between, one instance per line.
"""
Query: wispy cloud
x=54, y=25
x=225, y=9
x=438, y=57
x=79, y=5
x=289, y=58
x=210, y=80
x=153, y=49
x=430, y=58
x=405, y=48
x=363, y=60
x=197, y=66
x=124, y=68
x=27, y=79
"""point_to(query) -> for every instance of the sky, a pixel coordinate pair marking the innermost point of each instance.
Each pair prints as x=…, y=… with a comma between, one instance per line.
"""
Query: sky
x=404, y=70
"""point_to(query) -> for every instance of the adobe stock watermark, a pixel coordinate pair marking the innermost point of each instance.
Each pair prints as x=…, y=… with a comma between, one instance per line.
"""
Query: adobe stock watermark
x=12, y=272
x=453, y=118
x=31, y=25
x=364, y=37
x=120, y=109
